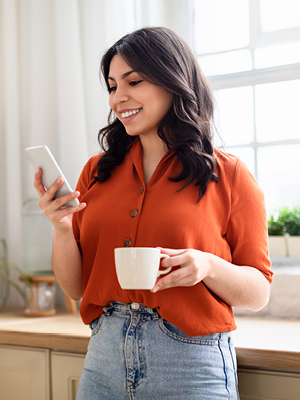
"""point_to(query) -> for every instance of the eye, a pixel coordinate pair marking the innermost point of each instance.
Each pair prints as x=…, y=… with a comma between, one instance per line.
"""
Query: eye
x=112, y=89
x=134, y=83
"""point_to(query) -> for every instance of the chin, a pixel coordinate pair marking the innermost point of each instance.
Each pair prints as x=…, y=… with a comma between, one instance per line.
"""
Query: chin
x=131, y=133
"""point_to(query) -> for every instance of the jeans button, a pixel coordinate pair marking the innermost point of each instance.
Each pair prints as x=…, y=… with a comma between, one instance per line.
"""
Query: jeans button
x=135, y=306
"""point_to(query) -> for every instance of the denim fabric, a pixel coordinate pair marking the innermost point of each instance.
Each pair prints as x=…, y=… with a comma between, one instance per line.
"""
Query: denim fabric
x=135, y=354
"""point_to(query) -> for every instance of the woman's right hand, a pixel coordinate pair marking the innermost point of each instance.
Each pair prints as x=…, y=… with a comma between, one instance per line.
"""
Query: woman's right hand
x=59, y=216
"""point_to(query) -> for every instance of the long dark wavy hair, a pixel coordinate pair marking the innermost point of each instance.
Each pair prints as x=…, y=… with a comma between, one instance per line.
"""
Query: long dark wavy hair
x=165, y=60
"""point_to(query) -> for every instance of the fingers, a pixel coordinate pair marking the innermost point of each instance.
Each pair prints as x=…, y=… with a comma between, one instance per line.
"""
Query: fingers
x=47, y=195
x=180, y=277
x=55, y=209
x=40, y=188
x=38, y=184
x=192, y=269
x=49, y=205
x=57, y=215
x=176, y=257
x=171, y=252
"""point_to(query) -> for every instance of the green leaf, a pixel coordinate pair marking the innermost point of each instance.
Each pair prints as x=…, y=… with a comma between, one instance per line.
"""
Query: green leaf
x=6, y=271
x=285, y=221
x=13, y=284
x=5, y=268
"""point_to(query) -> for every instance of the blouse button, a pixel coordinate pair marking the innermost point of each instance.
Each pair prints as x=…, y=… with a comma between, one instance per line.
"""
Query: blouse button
x=127, y=243
x=142, y=190
x=134, y=213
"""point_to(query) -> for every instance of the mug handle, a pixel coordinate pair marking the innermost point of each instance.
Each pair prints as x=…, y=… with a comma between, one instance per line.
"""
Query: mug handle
x=160, y=272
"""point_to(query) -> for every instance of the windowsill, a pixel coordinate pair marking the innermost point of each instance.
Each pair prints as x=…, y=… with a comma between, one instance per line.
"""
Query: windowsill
x=285, y=261
x=267, y=344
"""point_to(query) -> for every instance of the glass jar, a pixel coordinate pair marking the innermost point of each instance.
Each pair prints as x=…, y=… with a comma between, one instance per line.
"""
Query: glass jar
x=37, y=234
x=40, y=296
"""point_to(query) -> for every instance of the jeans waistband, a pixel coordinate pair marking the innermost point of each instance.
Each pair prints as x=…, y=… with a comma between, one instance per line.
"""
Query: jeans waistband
x=133, y=307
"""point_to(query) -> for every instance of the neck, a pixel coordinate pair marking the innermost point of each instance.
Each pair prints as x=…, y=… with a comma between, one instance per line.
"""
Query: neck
x=153, y=151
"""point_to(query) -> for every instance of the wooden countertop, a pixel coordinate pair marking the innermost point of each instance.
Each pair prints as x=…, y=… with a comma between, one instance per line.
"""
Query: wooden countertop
x=260, y=343
x=61, y=332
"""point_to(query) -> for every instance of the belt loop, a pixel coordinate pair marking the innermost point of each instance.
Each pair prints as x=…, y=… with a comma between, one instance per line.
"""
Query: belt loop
x=108, y=309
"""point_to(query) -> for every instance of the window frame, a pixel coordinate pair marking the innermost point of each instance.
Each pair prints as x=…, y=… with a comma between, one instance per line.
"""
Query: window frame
x=257, y=38
x=257, y=76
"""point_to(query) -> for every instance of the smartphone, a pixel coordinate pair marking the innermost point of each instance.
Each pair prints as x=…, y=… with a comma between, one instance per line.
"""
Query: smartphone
x=41, y=156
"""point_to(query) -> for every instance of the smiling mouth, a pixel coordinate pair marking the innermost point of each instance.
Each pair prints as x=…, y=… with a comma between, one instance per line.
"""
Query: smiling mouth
x=130, y=113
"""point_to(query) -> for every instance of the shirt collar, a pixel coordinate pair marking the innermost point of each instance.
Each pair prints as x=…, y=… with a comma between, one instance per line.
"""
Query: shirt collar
x=136, y=153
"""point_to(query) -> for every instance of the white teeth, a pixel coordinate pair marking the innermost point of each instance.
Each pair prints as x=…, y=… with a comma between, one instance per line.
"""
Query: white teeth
x=129, y=113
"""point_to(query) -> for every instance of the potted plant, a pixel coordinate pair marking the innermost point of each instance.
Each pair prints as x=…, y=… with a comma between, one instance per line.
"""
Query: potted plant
x=284, y=226
x=5, y=269
x=277, y=242
x=292, y=230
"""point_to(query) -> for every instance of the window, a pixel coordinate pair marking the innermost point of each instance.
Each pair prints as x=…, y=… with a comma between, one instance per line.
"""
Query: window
x=250, y=50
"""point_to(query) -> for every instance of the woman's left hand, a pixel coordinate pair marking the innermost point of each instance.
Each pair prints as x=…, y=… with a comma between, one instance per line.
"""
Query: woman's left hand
x=194, y=267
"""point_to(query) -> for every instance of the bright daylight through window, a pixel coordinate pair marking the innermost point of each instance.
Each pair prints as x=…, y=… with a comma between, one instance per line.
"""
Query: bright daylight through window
x=250, y=49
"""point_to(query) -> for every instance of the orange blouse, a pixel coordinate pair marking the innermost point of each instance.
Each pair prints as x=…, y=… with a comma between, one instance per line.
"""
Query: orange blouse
x=229, y=221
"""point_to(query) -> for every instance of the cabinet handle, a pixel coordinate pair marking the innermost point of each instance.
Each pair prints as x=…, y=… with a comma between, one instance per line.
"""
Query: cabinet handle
x=73, y=386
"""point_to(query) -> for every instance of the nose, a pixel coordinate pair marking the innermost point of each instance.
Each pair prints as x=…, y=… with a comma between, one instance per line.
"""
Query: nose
x=120, y=95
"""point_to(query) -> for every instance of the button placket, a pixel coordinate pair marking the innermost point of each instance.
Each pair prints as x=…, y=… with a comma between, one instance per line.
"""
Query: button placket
x=135, y=216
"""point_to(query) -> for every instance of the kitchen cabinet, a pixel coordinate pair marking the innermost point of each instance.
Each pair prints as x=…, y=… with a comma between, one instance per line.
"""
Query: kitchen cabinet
x=268, y=385
x=65, y=372
x=24, y=373
x=30, y=373
x=43, y=358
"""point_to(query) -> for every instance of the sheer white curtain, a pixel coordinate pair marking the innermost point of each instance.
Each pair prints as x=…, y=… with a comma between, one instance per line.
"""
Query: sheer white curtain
x=50, y=92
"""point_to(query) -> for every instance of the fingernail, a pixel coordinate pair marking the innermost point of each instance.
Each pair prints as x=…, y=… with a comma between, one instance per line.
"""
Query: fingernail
x=156, y=289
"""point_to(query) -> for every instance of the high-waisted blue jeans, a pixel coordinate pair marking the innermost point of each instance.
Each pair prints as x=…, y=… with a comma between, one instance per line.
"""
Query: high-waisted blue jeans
x=135, y=354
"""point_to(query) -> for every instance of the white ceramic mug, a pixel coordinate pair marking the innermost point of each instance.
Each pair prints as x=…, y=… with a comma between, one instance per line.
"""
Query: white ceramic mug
x=138, y=267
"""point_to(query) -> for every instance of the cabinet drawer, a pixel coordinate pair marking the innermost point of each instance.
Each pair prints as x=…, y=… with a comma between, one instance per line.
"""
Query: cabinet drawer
x=66, y=371
x=268, y=385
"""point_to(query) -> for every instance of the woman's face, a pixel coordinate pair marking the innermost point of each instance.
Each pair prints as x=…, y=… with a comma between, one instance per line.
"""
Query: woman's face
x=137, y=103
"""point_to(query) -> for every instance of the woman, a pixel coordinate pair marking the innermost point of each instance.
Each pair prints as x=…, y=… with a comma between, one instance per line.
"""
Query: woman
x=160, y=182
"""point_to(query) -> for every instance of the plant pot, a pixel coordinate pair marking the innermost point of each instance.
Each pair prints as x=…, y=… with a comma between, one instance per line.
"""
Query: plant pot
x=277, y=246
x=293, y=246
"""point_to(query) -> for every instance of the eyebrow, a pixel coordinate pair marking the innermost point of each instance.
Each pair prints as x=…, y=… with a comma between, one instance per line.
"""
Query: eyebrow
x=123, y=76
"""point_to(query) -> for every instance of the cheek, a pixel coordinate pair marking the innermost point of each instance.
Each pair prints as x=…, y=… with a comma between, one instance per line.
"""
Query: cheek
x=165, y=102
x=164, y=107
x=169, y=97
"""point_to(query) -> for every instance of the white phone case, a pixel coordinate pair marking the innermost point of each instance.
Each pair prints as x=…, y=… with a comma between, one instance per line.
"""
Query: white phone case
x=41, y=156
